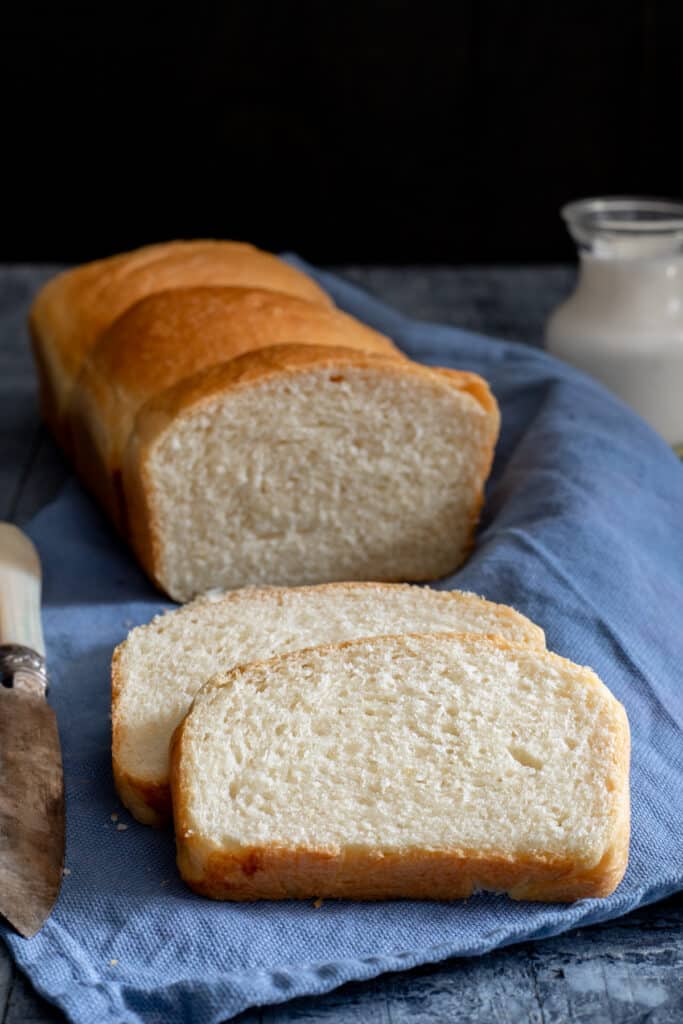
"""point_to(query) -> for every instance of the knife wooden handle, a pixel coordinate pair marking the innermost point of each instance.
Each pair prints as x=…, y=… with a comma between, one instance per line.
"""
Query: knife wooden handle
x=20, y=580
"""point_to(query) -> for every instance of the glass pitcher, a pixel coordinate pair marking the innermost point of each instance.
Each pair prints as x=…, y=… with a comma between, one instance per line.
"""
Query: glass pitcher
x=624, y=322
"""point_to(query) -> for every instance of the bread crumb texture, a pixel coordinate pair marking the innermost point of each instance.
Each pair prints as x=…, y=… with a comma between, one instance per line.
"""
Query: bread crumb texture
x=161, y=666
x=319, y=474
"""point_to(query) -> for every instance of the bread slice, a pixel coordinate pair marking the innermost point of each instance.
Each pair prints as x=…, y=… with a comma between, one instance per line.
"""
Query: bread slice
x=172, y=335
x=415, y=766
x=159, y=669
x=304, y=464
x=70, y=311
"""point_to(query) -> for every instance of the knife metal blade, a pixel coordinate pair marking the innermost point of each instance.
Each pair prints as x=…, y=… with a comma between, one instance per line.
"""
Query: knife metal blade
x=31, y=780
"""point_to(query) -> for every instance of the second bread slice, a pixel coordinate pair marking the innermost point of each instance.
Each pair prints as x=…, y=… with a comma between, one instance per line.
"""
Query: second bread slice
x=406, y=766
x=161, y=666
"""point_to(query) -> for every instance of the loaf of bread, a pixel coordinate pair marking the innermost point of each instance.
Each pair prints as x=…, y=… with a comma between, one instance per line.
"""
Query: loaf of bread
x=425, y=766
x=239, y=430
x=160, y=667
x=172, y=335
x=73, y=309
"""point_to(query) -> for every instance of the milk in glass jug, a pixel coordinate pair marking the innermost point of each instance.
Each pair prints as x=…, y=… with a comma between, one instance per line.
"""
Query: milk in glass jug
x=624, y=322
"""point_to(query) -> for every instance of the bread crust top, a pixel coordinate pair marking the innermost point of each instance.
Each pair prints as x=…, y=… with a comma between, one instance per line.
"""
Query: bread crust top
x=72, y=309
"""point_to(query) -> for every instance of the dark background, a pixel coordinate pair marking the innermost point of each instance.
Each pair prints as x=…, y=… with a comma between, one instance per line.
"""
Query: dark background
x=396, y=132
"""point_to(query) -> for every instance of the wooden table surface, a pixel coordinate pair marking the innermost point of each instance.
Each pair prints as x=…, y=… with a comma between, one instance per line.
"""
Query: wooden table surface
x=624, y=972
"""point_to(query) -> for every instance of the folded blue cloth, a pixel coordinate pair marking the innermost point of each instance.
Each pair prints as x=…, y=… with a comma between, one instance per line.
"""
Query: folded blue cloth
x=581, y=531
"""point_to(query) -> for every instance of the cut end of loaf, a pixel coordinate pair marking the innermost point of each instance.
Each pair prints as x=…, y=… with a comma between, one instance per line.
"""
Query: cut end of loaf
x=419, y=767
x=300, y=465
x=160, y=668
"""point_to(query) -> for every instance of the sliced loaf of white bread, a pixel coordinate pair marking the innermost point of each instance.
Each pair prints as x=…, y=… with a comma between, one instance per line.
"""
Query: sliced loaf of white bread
x=161, y=666
x=226, y=463
x=306, y=464
x=425, y=766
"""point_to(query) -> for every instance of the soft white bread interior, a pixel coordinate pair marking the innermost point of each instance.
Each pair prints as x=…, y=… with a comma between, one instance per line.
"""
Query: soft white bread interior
x=172, y=335
x=414, y=766
x=161, y=666
x=302, y=464
x=71, y=311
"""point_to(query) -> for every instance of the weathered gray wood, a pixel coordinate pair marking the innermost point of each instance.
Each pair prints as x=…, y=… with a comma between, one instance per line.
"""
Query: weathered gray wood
x=622, y=973
x=44, y=476
x=6, y=977
x=510, y=302
x=25, y=1007
x=18, y=436
x=21, y=433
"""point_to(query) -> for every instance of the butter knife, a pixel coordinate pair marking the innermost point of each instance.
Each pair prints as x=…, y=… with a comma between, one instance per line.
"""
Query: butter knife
x=31, y=779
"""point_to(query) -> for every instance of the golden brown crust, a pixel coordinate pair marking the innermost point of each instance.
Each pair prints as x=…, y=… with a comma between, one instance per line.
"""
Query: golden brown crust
x=147, y=800
x=172, y=335
x=278, y=873
x=476, y=386
x=71, y=310
x=272, y=873
x=150, y=800
x=252, y=369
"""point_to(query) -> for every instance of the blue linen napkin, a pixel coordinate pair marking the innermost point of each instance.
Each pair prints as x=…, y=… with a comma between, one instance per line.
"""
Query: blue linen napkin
x=581, y=531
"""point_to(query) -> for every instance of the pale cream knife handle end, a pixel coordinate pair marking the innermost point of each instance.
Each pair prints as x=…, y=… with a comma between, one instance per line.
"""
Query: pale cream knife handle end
x=20, y=584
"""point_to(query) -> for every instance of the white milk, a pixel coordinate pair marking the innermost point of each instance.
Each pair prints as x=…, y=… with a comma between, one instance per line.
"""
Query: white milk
x=624, y=322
